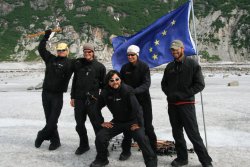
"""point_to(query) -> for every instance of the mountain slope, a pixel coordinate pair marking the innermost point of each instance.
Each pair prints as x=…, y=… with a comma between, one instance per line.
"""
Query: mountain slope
x=227, y=24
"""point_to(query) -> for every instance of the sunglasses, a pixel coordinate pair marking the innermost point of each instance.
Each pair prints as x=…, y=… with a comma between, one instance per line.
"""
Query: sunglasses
x=87, y=52
x=131, y=54
x=61, y=50
x=113, y=80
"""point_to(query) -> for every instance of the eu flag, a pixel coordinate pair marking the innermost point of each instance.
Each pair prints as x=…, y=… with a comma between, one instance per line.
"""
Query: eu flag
x=155, y=40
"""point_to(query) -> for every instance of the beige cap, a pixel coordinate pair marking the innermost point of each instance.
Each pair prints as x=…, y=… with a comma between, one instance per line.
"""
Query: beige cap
x=88, y=46
x=62, y=46
x=176, y=44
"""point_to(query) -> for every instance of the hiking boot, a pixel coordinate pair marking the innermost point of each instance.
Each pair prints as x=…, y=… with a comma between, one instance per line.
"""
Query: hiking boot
x=124, y=156
x=97, y=163
x=81, y=150
x=54, y=145
x=38, y=142
x=151, y=162
x=207, y=165
x=178, y=162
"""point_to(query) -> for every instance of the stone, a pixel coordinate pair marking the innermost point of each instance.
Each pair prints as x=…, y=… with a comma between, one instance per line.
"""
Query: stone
x=31, y=88
x=211, y=75
x=233, y=83
x=39, y=4
x=39, y=86
x=225, y=76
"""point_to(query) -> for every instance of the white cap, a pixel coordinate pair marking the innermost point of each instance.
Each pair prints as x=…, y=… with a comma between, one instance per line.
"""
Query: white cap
x=133, y=49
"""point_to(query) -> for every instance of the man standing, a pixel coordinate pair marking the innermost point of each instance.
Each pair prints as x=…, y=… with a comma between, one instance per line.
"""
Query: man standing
x=183, y=79
x=127, y=117
x=88, y=80
x=137, y=75
x=57, y=76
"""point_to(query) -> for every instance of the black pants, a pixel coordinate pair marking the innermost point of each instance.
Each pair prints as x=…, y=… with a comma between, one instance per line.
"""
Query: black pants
x=184, y=116
x=105, y=134
x=81, y=111
x=52, y=104
x=149, y=129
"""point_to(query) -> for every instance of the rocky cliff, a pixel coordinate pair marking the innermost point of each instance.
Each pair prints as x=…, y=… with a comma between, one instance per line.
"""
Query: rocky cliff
x=218, y=40
x=95, y=21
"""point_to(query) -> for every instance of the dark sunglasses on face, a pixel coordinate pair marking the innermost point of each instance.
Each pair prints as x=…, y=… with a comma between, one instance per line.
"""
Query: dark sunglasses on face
x=116, y=79
x=87, y=52
x=131, y=54
x=61, y=50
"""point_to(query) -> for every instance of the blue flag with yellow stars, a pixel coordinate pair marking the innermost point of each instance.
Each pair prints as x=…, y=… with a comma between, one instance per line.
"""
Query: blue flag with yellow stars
x=155, y=40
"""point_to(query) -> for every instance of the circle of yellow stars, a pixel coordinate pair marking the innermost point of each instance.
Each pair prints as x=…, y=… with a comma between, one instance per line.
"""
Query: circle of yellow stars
x=157, y=42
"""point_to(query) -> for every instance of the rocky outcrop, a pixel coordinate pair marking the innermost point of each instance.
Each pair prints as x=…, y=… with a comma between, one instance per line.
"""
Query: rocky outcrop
x=75, y=40
x=219, y=42
x=83, y=9
x=215, y=40
x=39, y=4
x=69, y=4
x=5, y=8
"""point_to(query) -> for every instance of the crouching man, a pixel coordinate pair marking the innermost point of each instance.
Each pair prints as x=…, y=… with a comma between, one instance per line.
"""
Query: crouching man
x=127, y=117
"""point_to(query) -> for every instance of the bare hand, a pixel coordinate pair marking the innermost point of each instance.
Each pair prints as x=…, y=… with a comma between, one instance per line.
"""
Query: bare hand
x=72, y=102
x=107, y=124
x=134, y=127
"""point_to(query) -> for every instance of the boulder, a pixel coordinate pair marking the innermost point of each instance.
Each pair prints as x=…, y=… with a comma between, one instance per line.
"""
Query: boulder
x=233, y=83
x=30, y=88
x=39, y=86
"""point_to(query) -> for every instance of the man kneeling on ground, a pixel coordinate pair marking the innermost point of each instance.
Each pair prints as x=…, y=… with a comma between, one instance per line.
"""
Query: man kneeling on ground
x=127, y=117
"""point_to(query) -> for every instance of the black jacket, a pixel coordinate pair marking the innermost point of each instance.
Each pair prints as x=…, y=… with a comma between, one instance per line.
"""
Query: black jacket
x=58, y=70
x=122, y=103
x=88, y=78
x=137, y=76
x=182, y=80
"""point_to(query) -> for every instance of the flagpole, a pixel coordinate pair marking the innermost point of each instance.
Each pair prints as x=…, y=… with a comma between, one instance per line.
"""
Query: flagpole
x=202, y=106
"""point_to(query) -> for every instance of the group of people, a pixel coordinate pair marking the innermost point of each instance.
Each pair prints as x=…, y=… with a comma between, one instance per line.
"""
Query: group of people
x=126, y=95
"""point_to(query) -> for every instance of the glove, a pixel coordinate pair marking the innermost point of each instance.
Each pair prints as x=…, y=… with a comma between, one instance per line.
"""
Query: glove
x=47, y=33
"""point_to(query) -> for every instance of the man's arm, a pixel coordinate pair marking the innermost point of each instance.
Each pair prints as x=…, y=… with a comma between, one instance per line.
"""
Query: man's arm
x=102, y=77
x=122, y=72
x=164, y=83
x=136, y=108
x=72, y=94
x=100, y=103
x=44, y=53
x=197, y=85
x=145, y=82
x=198, y=82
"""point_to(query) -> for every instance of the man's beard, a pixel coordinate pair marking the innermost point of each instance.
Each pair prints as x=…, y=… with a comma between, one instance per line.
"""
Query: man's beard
x=182, y=54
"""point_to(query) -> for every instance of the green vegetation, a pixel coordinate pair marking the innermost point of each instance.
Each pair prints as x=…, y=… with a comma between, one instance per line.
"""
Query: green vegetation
x=209, y=39
x=203, y=8
x=20, y=17
x=244, y=41
x=32, y=56
x=135, y=15
x=7, y=43
x=218, y=24
x=205, y=55
x=214, y=40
